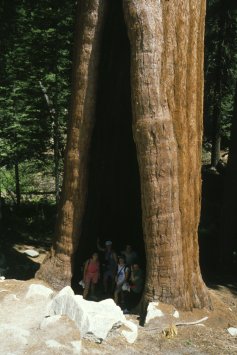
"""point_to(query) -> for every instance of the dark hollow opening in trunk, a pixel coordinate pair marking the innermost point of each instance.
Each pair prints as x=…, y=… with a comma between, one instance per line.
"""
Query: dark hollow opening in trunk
x=113, y=210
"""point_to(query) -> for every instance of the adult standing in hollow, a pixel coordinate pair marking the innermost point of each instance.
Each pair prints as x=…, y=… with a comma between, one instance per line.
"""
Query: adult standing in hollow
x=91, y=275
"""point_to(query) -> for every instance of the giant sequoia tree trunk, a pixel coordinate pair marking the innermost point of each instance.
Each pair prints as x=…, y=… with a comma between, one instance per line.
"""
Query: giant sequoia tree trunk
x=167, y=92
x=57, y=268
x=166, y=40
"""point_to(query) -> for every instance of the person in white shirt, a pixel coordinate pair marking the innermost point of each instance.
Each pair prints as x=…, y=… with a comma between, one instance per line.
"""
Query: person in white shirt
x=121, y=278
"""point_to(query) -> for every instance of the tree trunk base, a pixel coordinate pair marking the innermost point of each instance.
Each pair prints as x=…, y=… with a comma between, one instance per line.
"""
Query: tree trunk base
x=199, y=299
x=55, y=272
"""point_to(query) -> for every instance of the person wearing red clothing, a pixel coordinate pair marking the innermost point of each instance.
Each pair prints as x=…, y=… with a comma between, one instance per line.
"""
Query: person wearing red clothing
x=91, y=274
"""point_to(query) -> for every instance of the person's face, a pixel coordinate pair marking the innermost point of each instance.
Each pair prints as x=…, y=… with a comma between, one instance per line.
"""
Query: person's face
x=135, y=267
x=95, y=256
x=108, y=247
x=128, y=248
x=121, y=261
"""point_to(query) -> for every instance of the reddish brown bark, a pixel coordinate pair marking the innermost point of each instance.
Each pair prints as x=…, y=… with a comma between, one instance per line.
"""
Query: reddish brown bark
x=167, y=91
x=57, y=268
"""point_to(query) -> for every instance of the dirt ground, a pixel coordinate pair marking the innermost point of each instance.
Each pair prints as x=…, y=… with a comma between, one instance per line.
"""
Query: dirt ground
x=209, y=337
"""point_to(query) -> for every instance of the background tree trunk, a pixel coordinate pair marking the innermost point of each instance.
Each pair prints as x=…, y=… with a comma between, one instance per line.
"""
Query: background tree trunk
x=56, y=157
x=216, y=133
x=17, y=184
x=216, y=116
x=167, y=97
x=55, y=124
x=57, y=268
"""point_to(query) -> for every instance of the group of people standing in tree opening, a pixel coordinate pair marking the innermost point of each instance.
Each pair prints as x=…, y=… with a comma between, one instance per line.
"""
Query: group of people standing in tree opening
x=122, y=276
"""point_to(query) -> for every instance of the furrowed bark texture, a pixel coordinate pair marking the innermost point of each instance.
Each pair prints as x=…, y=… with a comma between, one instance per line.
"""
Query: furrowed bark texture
x=167, y=92
x=57, y=268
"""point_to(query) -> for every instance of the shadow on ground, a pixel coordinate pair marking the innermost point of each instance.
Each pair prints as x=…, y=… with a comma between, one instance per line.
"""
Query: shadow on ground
x=18, y=265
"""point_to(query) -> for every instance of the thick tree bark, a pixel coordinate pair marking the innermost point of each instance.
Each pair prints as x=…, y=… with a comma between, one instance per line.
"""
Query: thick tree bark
x=57, y=268
x=167, y=92
x=228, y=235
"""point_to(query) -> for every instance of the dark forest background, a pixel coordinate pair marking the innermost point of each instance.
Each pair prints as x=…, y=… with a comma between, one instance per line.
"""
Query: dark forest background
x=36, y=46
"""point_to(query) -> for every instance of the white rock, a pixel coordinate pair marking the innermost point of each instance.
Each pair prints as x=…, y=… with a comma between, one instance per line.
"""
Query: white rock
x=32, y=253
x=94, y=319
x=49, y=321
x=13, y=332
x=11, y=297
x=153, y=311
x=132, y=335
x=176, y=314
x=2, y=278
x=232, y=331
x=39, y=290
x=76, y=347
x=53, y=344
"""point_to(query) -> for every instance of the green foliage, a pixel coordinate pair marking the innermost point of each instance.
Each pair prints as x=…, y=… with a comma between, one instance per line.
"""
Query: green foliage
x=36, y=51
x=220, y=65
x=36, y=181
x=7, y=182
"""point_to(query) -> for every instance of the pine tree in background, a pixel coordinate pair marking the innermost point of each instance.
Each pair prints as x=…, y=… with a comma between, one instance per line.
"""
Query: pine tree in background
x=220, y=73
x=36, y=41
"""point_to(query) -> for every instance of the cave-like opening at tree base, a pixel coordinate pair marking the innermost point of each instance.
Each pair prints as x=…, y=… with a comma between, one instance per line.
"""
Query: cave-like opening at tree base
x=113, y=210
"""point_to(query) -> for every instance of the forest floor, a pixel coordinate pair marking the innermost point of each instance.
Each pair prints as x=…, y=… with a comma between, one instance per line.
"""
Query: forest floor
x=211, y=337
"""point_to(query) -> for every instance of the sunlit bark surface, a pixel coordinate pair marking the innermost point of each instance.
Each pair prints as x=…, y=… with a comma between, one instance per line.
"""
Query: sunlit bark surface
x=166, y=40
x=57, y=268
x=167, y=92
